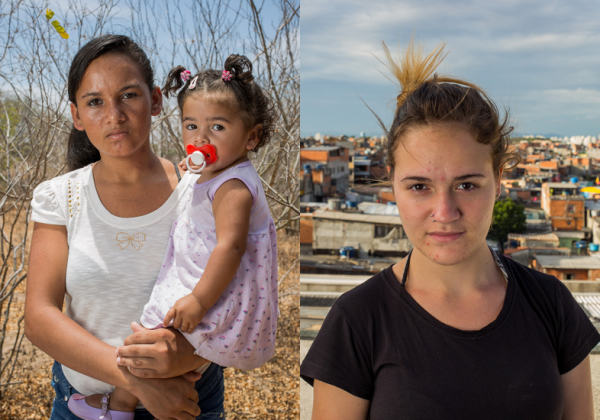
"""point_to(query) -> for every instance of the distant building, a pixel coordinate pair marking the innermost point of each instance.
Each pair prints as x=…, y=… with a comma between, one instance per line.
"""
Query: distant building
x=564, y=205
x=569, y=268
x=329, y=168
x=532, y=240
x=361, y=169
x=306, y=185
x=374, y=235
x=306, y=232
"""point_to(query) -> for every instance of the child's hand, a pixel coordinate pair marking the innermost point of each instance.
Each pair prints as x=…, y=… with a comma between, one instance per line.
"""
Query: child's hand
x=182, y=165
x=186, y=314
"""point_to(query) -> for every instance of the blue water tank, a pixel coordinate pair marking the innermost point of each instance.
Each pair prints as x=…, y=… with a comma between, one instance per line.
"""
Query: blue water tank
x=391, y=203
x=580, y=244
x=307, y=168
x=351, y=204
x=574, y=180
x=348, y=251
x=594, y=247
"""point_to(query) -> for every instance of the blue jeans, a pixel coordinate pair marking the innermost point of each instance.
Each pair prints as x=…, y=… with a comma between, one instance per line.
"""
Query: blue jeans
x=211, y=390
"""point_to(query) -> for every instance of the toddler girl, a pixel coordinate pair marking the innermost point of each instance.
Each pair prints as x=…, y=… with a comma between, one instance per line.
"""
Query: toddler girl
x=218, y=282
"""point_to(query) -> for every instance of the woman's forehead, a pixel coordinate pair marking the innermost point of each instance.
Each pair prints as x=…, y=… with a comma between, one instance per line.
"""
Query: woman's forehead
x=443, y=149
x=112, y=68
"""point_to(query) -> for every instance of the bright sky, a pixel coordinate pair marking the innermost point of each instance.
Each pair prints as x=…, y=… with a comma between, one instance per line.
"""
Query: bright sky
x=541, y=58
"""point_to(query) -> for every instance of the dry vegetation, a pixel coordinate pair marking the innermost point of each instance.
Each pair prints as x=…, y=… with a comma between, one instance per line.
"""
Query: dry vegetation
x=269, y=392
x=35, y=122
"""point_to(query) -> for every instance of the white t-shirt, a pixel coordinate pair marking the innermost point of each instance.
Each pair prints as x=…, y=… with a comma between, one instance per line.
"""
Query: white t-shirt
x=113, y=262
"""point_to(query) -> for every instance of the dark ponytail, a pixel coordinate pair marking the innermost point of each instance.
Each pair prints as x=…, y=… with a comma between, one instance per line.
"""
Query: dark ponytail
x=80, y=151
x=174, y=82
x=251, y=100
x=240, y=68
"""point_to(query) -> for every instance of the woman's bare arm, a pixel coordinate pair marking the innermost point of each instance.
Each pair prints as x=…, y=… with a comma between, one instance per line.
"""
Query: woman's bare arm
x=70, y=344
x=332, y=403
x=577, y=389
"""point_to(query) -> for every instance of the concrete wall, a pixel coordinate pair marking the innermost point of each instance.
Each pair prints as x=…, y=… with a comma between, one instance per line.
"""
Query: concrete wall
x=334, y=234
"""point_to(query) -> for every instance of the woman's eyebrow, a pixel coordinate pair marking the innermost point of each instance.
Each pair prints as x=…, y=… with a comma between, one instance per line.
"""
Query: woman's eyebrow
x=90, y=94
x=425, y=179
x=132, y=86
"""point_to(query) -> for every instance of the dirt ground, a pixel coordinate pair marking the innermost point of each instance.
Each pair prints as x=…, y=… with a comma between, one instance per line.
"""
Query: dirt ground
x=269, y=392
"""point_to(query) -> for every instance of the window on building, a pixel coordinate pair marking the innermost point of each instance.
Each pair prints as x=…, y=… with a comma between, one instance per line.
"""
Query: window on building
x=570, y=209
x=569, y=276
x=382, y=231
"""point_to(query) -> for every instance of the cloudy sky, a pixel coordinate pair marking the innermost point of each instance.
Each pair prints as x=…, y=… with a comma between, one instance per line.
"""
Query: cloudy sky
x=540, y=58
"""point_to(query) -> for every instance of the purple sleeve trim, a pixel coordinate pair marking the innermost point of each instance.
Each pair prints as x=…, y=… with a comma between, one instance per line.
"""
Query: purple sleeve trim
x=217, y=185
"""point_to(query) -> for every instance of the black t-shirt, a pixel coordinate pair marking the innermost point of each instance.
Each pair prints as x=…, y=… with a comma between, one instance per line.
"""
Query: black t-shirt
x=379, y=344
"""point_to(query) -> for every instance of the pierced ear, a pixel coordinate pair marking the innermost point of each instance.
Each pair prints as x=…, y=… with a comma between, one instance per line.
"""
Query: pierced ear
x=157, y=101
x=75, y=116
x=254, y=137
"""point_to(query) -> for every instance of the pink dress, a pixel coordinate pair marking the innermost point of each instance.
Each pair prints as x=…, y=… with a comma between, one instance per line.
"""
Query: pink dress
x=239, y=330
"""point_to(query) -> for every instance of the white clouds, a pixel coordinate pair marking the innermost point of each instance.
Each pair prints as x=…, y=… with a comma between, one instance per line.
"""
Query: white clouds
x=338, y=37
x=539, y=56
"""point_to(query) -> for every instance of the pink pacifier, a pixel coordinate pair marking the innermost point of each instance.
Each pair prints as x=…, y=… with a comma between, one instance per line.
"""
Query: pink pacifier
x=200, y=156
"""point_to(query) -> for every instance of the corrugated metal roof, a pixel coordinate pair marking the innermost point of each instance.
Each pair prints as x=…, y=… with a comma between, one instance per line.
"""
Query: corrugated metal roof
x=551, y=237
x=572, y=262
x=590, y=301
x=575, y=234
x=358, y=217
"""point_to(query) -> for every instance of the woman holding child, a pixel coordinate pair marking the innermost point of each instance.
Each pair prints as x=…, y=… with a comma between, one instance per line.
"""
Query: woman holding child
x=105, y=230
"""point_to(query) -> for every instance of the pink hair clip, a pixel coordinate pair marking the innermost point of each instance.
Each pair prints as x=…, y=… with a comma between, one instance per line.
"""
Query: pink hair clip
x=185, y=75
x=226, y=76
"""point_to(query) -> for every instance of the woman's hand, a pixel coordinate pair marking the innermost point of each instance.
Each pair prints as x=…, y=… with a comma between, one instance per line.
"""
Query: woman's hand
x=174, y=398
x=161, y=353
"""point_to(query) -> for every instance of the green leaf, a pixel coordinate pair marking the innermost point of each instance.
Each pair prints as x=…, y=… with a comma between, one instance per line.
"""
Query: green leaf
x=49, y=14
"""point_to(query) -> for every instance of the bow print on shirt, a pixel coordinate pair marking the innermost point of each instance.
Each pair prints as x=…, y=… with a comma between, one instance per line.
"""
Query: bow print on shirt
x=135, y=240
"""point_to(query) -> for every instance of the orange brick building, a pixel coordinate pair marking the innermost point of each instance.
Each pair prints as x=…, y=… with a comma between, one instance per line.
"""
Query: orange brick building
x=563, y=205
x=329, y=169
x=306, y=228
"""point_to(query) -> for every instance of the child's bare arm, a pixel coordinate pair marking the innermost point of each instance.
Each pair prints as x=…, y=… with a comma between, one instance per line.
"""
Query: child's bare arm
x=231, y=208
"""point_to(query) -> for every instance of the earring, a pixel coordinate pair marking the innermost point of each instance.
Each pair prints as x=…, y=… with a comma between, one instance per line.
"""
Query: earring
x=432, y=216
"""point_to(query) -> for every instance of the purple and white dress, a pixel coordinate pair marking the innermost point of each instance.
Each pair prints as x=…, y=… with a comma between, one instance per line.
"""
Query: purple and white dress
x=239, y=330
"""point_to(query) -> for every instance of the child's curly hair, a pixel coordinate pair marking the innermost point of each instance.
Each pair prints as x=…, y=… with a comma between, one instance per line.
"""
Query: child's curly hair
x=251, y=100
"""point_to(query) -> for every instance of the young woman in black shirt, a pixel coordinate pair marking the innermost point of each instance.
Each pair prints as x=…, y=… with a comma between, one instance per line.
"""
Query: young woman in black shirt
x=462, y=333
